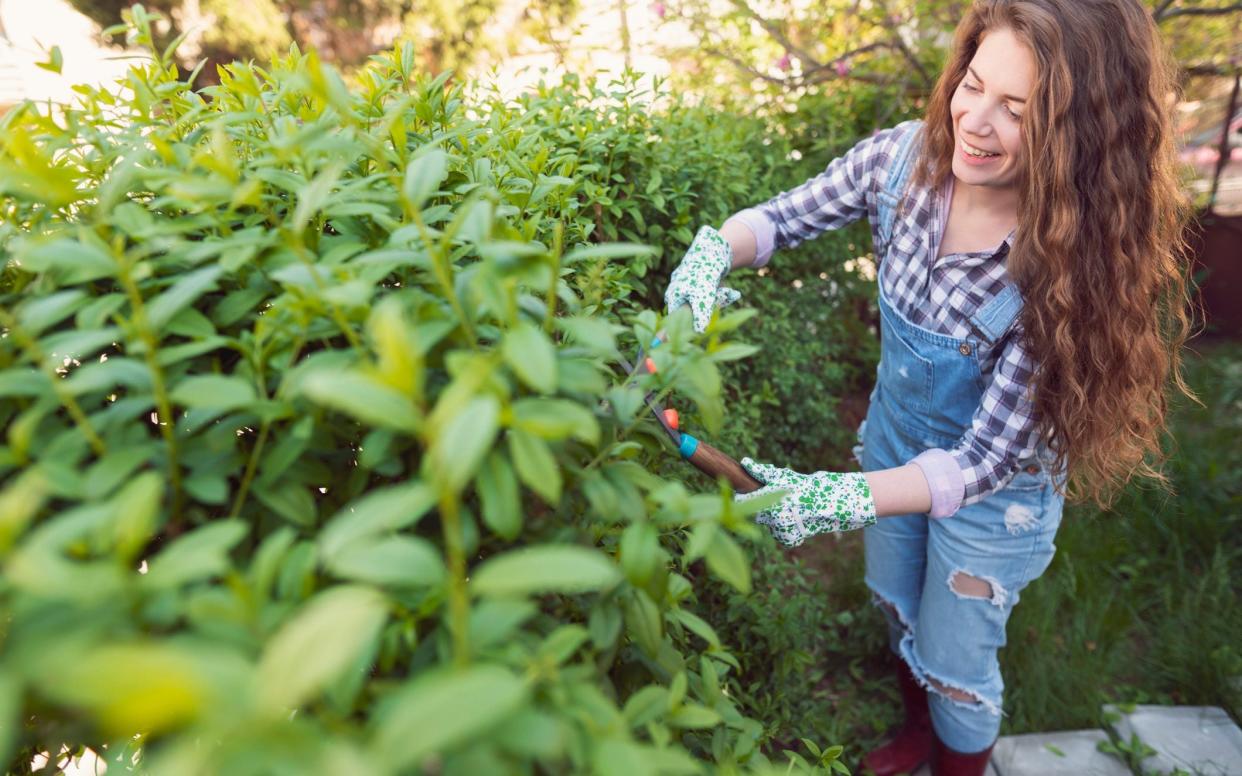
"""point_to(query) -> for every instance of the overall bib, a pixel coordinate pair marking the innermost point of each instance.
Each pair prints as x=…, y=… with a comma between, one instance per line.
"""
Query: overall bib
x=927, y=390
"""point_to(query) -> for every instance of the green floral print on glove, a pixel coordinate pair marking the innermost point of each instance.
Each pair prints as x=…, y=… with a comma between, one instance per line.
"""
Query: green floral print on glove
x=696, y=281
x=817, y=503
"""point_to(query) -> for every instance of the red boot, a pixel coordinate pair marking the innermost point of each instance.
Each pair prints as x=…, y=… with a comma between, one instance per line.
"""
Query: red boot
x=946, y=762
x=912, y=745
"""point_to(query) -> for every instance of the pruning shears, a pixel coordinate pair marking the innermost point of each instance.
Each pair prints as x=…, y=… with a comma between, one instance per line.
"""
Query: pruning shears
x=705, y=458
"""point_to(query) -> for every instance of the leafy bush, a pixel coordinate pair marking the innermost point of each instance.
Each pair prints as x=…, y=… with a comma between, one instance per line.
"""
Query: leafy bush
x=306, y=467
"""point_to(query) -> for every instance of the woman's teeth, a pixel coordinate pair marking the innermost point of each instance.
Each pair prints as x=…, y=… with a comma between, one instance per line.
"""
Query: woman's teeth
x=976, y=152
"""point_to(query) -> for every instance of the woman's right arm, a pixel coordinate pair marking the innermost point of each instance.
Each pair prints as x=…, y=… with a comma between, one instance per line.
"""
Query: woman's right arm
x=833, y=199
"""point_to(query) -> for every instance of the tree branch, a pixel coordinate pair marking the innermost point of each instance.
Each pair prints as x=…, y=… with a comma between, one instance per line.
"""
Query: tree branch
x=1220, y=10
x=776, y=32
x=1161, y=10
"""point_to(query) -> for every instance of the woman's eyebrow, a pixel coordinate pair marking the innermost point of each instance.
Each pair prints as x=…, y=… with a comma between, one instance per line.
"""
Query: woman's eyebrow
x=1007, y=96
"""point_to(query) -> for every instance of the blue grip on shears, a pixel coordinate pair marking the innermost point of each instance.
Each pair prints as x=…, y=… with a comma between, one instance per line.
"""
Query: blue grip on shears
x=655, y=343
x=688, y=445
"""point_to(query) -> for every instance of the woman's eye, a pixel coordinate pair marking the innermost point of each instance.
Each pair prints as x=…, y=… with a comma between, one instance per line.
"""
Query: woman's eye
x=969, y=86
x=1012, y=115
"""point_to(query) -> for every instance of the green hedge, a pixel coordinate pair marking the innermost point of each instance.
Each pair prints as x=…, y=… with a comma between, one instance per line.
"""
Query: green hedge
x=317, y=457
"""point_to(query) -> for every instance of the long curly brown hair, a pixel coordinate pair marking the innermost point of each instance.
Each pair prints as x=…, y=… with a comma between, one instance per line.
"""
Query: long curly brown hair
x=1099, y=252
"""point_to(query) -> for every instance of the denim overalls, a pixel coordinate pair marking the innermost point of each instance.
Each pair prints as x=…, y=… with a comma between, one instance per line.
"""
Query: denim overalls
x=927, y=390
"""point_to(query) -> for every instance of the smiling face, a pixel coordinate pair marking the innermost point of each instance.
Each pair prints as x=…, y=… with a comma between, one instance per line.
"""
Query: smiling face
x=987, y=111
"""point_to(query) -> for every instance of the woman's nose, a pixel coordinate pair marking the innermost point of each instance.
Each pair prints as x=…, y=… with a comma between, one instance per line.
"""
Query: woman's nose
x=976, y=122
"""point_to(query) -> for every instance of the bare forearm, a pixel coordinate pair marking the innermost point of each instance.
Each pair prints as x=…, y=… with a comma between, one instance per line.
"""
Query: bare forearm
x=742, y=241
x=899, y=491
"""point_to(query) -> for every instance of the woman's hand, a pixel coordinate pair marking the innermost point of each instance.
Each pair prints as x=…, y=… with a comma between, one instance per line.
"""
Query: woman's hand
x=816, y=503
x=696, y=281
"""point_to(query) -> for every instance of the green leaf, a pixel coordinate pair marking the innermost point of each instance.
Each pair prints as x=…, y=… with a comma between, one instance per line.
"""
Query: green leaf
x=78, y=345
x=697, y=625
x=149, y=686
x=55, y=60
x=313, y=195
x=117, y=371
x=642, y=619
x=498, y=493
x=604, y=624
x=545, y=568
x=608, y=251
x=137, y=508
x=562, y=643
x=728, y=561
x=597, y=335
x=446, y=708
x=10, y=714
x=20, y=500
x=535, y=464
x=529, y=353
x=290, y=500
x=555, y=419
x=366, y=399
x=22, y=381
x=207, y=487
x=460, y=445
x=236, y=304
x=216, y=392
x=107, y=473
x=197, y=555
x=533, y=734
x=692, y=715
x=393, y=561
x=646, y=705
x=381, y=511
x=640, y=552
x=322, y=640
x=733, y=351
x=701, y=538
x=37, y=314
x=190, y=287
x=494, y=620
x=423, y=176
x=69, y=260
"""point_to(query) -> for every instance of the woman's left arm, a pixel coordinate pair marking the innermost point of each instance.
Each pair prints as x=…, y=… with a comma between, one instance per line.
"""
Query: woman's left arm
x=936, y=482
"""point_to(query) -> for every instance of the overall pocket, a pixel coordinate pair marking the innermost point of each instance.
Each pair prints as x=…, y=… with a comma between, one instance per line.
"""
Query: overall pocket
x=907, y=378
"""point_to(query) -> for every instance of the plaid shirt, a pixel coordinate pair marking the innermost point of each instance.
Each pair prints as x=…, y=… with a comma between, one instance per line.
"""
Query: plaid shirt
x=939, y=294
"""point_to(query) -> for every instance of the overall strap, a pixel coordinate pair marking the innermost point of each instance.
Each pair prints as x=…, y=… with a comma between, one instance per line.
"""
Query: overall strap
x=993, y=319
x=888, y=199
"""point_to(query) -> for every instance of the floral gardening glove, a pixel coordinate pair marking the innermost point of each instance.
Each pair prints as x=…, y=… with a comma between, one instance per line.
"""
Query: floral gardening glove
x=814, y=503
x=696, y=281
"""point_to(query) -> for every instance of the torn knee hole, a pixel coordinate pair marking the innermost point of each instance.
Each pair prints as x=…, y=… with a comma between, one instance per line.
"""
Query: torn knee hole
x=892, y=610
x=966, y=585
x=952, y=692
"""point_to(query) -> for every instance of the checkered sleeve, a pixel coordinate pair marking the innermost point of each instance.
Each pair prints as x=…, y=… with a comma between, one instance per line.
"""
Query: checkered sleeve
x=1003, y=431
x=834, y=198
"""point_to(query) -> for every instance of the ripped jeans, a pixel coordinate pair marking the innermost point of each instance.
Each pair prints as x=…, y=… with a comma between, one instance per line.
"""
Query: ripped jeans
x=947, y=587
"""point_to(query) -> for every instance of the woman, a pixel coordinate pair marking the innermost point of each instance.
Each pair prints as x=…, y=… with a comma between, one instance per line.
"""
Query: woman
x=1032, y=305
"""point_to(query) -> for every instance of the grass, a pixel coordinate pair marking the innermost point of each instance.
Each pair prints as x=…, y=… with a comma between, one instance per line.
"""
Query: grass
x=1138, y=606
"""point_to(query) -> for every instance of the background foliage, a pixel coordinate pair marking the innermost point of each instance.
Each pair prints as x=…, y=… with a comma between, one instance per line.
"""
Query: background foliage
x=326, y=385
x=302, y=395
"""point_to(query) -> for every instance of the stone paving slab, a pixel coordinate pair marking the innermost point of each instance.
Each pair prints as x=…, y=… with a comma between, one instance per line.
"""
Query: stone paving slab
x=1201, y=740
x=1066, y=753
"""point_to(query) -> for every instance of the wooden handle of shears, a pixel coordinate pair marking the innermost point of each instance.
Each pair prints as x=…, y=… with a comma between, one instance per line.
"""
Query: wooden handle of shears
x=706, y=458
x=714, y=463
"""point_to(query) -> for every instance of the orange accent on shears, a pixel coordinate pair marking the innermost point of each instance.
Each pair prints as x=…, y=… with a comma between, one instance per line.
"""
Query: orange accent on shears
x=670, y=415
x=651, y=367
